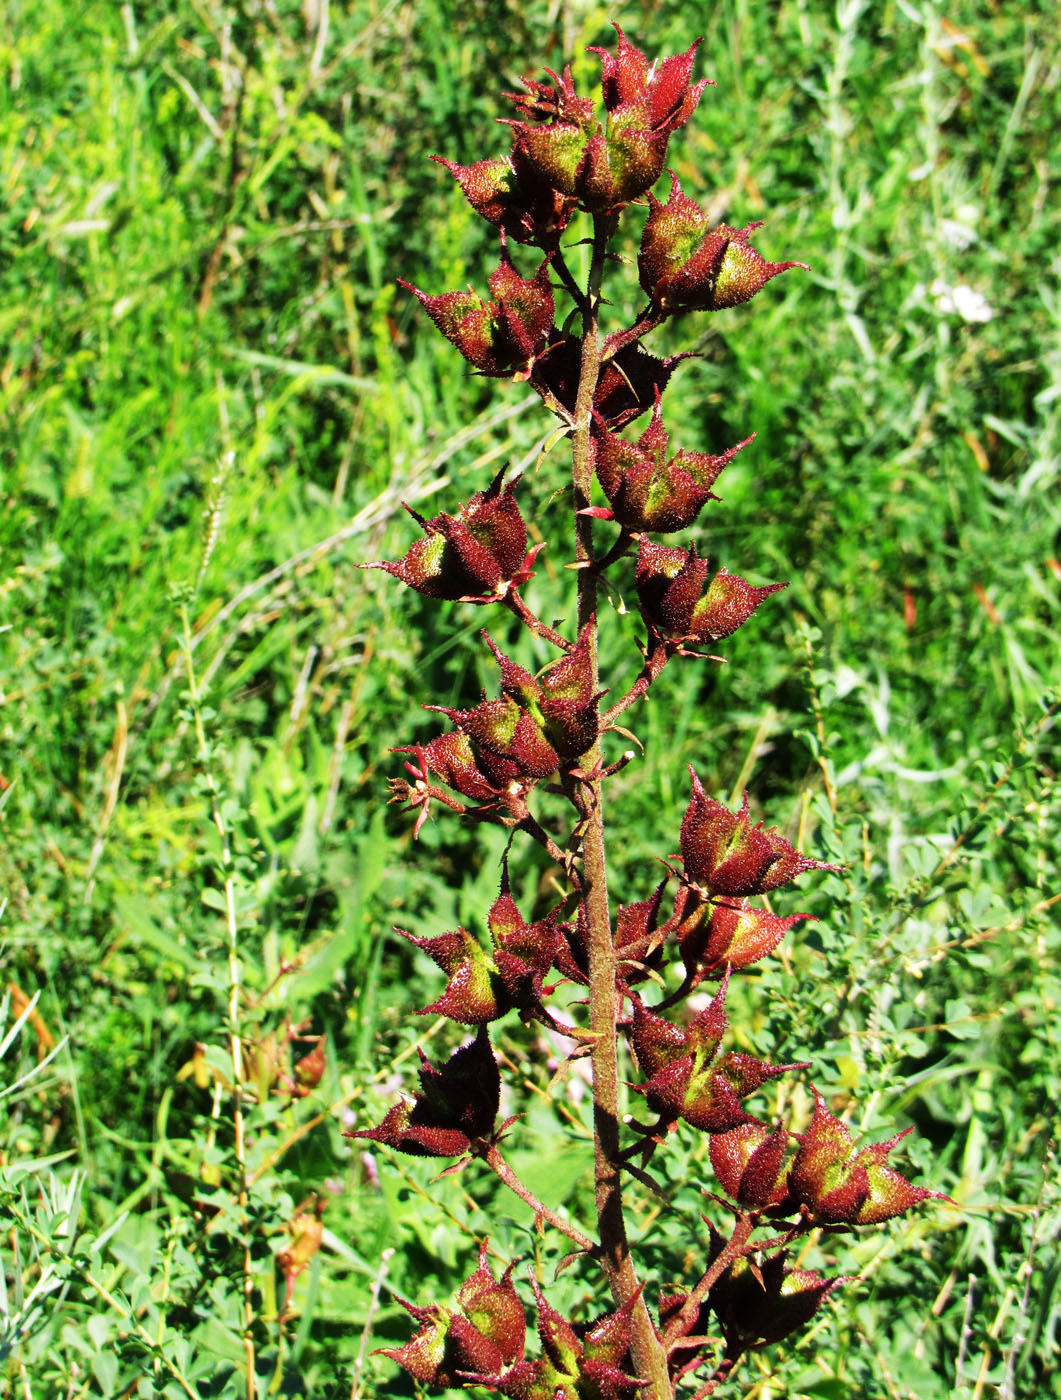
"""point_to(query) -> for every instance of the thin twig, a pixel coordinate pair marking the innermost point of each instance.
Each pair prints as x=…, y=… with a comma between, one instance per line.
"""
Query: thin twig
x=560, y=267
x=734, y=1248
x=112, y=1302
x=537, y=832
x=722, y=1372
x=654, y=664
x=228, y=872
x=516, y=605
x=373, y=1304
x=497, y=1164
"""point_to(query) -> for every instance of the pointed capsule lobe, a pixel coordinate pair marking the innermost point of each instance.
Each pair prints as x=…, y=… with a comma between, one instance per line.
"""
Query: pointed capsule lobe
x=749, y=1162
x=482, y=1330
x=506, y=193
x=684, y=1077
x=456, y=1106
x=684, y=265
x=728, y=933
x=645, y=489
x=725, y=855
x=502, y=337
x=628, y=385
x=602, y=167
x=759, y=1305
x=478, y=555
x=839, y=1185
x=670, y=589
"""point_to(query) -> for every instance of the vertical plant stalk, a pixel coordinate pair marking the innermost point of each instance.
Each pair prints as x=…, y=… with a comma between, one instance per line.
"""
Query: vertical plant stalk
x=119, y=1306
x=650, y=1360
x=565, y=163
x=235, y=1039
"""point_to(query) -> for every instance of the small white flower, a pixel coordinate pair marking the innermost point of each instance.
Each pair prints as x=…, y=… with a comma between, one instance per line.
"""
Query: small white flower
x=971, y=304
x=962, y=300
x=957, y=234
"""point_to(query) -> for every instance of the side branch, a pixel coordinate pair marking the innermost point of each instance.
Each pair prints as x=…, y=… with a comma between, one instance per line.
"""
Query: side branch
x=735, y=1247
x=654, y=664
x=497, y=1164
x=515, y=604
x=721, y=1373
x=563, y=272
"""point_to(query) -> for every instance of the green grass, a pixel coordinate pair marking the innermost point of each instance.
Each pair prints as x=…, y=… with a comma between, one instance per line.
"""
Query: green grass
x=214, y=398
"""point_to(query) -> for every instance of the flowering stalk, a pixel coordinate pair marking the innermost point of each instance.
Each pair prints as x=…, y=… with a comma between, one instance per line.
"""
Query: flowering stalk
x=510, y=757
x=649, y=1358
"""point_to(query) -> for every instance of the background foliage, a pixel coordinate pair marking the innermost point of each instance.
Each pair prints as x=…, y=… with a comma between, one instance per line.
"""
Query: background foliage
x=214, y=398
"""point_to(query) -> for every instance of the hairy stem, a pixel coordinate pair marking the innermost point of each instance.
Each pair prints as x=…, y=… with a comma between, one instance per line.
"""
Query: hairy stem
x=515, y=604
x=497, y=1164
x=537, y=833
x=563, y=272
x=650, y=1360
x=731, y=1252
x=621, y=546
x=654, y=664
x=722, y=1372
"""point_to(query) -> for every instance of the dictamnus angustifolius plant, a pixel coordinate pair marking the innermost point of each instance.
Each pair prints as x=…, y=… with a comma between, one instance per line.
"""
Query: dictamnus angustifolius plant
x=535, y=757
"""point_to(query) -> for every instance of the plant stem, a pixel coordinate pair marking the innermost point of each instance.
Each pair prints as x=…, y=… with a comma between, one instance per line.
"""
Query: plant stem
x=654, y=664
x=537, y=832
x=117, y=1306
x=515, y=604
x=722, y=1372
x=731, y=1252
x=563, y=272
x=622, y=544
x=497, y=1164
x=228, y=873
x=650, y=1360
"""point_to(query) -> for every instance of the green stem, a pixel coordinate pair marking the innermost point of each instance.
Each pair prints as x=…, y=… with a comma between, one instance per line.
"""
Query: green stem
x=649, y=1358
x=228, y=875
x=117, y=1306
